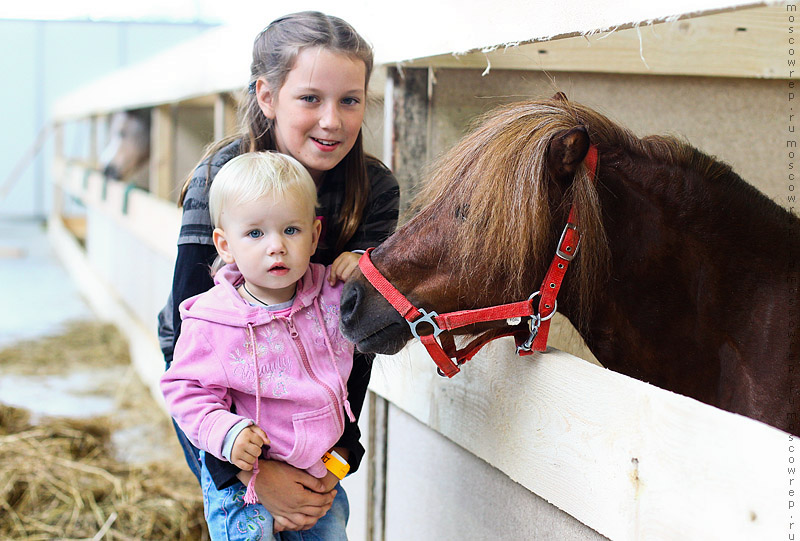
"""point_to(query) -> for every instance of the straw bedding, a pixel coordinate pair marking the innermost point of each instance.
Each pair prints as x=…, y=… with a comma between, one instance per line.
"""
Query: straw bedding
x=62, y=478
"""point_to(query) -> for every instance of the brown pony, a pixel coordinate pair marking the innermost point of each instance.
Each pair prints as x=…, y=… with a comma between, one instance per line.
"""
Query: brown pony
x=687, y=276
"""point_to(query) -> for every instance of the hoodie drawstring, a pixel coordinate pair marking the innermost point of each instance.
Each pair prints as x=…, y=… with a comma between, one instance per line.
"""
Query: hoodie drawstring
x=333, y=361
x=250, y=496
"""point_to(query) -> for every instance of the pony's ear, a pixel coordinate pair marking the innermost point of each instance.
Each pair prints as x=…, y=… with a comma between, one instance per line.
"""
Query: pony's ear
x=566, y=151
x=560, y=96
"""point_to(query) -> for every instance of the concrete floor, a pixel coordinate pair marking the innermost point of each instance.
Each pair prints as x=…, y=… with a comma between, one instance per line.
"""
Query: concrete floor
x=36, y=294
x=37, y=298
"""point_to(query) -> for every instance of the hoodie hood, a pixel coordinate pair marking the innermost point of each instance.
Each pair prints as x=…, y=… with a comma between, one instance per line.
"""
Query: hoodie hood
x=222, y=304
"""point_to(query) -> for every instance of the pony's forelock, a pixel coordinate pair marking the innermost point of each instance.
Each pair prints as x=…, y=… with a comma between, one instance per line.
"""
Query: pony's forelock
x=497, y=181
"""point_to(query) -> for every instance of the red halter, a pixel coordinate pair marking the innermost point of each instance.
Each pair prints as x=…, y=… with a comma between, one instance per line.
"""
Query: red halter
x=446, y=356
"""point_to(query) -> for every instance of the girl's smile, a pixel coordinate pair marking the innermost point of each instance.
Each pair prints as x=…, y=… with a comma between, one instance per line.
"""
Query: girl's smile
x=326, y=146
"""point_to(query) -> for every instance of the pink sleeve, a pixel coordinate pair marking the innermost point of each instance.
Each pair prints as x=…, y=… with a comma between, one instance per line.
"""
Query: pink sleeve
x=195, y=388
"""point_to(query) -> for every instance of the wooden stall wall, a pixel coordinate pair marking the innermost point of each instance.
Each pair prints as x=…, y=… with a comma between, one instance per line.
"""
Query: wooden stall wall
x=741, y=121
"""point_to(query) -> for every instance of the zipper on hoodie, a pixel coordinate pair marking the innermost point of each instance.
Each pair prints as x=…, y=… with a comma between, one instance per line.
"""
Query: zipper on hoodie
x=304, y=357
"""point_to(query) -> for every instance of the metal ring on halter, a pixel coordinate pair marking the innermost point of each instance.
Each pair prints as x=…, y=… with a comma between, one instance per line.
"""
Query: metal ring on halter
x=534, y=330
x=534, y=323
x=426, y=317
x=550, y=315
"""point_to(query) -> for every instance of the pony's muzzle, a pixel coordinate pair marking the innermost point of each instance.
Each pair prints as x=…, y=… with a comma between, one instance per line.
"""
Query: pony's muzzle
x=110, y=172
x=352, y=295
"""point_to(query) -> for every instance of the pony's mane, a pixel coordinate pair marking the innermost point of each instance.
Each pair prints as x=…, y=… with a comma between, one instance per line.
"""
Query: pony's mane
x=497, y=183
x=507, y=211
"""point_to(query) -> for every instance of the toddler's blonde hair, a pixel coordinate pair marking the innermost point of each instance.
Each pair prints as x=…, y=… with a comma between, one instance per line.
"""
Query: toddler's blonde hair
x=254, y=175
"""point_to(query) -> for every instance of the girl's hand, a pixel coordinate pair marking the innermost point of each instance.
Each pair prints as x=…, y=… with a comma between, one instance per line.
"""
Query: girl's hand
x=343, y=266
x=247, y=447
x=295, y=499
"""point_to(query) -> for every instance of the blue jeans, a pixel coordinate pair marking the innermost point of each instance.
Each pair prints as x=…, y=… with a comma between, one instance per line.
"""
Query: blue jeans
x=190, y=452
x=229, y=519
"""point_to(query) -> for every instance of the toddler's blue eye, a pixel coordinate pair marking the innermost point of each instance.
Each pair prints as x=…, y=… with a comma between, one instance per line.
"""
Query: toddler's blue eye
x=254, y=234
x=291, y=230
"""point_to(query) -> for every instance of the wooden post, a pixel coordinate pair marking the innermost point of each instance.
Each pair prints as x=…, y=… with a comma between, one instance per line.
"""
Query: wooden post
x=57, y=206
x=410, y=104
x=376, y=467
x=224, y=116
x=94, y=151
x=162, y=147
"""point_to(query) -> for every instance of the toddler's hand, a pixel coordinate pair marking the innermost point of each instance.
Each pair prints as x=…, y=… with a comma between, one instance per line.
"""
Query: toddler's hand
x=247, y=447
x=343, y=266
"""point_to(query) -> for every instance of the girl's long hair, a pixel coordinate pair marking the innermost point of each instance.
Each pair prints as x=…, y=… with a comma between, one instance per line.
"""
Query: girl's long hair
x=274, y=53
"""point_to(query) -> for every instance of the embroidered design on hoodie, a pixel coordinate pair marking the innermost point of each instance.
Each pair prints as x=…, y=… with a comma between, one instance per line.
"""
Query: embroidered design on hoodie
x=330, y=313
x=273, y=376
x=273, y=338
x=273, y=371
x=240, y=364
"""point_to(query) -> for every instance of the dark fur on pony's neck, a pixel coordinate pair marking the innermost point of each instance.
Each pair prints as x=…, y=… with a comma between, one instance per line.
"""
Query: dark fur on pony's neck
x=702, y=296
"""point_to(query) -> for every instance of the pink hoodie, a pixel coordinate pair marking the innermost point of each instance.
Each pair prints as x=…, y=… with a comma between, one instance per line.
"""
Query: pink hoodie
x=285, y=370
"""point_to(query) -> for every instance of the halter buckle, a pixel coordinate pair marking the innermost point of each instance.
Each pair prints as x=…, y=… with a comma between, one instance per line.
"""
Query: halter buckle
x=426, y=317
x=562, y=254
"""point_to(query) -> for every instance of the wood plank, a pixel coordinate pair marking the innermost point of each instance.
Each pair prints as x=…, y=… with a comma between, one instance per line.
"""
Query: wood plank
x=162, y=150
x=153, y=221
x=224, y=116
x=376, y=467
x=627, y=459
x=745, y=43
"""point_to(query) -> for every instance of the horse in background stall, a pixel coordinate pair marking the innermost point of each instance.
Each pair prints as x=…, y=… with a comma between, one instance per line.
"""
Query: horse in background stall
x=686, y=277
x=126, y=155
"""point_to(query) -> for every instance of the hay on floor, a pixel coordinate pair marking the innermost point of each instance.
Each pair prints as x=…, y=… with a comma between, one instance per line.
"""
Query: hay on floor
x=82, y=344
x=60, y=478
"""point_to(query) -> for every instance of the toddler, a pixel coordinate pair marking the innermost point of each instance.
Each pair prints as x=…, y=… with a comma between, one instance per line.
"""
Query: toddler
x=260, y=369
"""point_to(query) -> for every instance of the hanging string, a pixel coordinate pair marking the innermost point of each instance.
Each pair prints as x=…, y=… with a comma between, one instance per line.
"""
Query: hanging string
x=250, y=496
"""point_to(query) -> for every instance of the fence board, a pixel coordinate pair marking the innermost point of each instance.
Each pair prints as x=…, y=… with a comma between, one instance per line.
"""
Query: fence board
x=628, y=459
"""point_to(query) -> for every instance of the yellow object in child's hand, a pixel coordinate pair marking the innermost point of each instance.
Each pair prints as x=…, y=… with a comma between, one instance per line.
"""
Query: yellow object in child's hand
x=337, y=465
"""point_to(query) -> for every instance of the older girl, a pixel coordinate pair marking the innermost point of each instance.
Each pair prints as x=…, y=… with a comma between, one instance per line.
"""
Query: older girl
x=307, y=97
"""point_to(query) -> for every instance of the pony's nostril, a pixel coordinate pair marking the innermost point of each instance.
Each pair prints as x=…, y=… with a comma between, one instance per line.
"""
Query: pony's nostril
x=110, y=172
x=350, y=299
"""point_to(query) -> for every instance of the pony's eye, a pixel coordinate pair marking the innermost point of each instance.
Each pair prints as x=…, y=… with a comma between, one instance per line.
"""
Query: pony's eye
x=462, y=211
